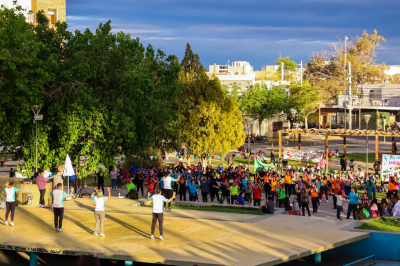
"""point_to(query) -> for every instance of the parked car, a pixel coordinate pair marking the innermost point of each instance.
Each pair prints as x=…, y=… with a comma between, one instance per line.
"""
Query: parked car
x=334, y=126
x=311, y=125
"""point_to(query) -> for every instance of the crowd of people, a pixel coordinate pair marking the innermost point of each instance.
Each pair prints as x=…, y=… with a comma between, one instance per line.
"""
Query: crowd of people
x=297, y=190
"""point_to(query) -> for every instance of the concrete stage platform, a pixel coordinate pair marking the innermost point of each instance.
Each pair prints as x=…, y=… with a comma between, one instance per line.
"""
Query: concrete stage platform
x=191, y=237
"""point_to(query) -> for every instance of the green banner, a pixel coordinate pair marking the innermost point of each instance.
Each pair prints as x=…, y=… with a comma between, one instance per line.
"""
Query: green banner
x=258, y=165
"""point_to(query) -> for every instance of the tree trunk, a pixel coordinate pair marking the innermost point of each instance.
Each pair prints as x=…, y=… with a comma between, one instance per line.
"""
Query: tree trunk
x=305, y=121
x=259, y=126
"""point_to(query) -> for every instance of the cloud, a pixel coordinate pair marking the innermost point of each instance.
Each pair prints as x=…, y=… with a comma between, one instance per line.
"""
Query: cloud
x=254, y=31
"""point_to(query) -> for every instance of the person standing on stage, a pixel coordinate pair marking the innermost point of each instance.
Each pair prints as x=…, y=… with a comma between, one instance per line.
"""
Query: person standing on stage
x=58, y=205
x=99, y=211
x=158, y=213
x=167, y=191
x=10, y=200
x=41, y=182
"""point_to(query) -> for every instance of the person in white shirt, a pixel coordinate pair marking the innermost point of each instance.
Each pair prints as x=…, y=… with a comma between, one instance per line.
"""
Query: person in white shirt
x=99, y=211
x=158, y=214
x=168, y=191
x=396, y=208
x=58, y=205
x=10, y=200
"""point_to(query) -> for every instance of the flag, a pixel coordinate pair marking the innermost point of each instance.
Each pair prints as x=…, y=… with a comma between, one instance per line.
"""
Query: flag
x=151, y=157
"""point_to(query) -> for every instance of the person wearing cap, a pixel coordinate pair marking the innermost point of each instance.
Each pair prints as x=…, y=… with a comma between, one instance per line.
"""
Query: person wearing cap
x=99, y=211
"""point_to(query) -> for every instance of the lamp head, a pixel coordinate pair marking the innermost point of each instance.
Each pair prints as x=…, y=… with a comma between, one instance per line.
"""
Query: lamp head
x=367, y=117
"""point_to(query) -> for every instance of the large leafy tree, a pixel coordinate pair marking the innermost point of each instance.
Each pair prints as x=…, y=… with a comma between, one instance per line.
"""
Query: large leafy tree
x=261, y=102
x=328, y=72
x=99, y=91
x=303, y=99
x=209, y=122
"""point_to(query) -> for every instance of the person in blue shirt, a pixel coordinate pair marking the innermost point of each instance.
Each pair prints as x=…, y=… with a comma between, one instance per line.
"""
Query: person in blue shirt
x=352, y=203
x=244, y=182
x=72, y=179
x=193, y=191
x=241, y=200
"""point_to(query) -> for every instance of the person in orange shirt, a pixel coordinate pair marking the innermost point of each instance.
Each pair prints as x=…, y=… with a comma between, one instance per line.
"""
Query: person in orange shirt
x=336, y=184
x=288, y=184
x=314, y=197
x=273, y=184
x=392, y=187
x=267, y=186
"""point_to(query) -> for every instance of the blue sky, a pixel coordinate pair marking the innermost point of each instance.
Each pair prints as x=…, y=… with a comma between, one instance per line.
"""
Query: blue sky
x=237, y=30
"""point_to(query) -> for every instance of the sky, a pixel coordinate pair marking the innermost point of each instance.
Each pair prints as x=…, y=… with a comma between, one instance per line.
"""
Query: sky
x=255, y=31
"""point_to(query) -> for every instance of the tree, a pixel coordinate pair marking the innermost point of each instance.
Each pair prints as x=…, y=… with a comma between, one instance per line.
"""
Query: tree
x=290, y=68
x=98, y=91
x=327, y=70
x=209, y=122
x=304, y=100
x=261, y=102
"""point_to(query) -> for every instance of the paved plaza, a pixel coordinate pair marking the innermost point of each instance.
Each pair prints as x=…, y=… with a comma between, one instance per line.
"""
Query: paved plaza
x=192, y=237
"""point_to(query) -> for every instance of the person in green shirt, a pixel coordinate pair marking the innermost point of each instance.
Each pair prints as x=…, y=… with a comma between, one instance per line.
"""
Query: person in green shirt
x=129, y=186
x=234, y=192
x=281, y=195
x=369, y=185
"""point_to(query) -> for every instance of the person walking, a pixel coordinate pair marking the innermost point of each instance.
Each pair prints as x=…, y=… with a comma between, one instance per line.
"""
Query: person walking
x=158, y=214
x=10, y=200
x=58, y=205
x=113, y=176
x=353, y=202
x=99, y=211
x=12, y=172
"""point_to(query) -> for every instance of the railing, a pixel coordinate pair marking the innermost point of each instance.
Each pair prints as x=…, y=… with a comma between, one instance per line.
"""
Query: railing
x=366, y=258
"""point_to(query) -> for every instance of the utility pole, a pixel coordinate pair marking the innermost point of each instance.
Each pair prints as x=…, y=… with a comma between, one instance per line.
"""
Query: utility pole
x=282, y=70
x=301, y=73
x=344, y=81
x=350, y=100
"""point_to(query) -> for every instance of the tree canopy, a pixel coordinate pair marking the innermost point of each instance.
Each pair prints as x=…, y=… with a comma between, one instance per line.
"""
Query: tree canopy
x=327, y=70
x=208, y=121
x=98, y=91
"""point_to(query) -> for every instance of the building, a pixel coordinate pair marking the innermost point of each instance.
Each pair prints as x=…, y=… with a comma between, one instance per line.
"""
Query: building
x=239, y=72
x=55, y=9
x=382, y=102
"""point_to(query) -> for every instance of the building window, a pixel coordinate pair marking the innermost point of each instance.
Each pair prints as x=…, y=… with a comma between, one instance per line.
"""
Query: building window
x=52, y=15
x=31, y=17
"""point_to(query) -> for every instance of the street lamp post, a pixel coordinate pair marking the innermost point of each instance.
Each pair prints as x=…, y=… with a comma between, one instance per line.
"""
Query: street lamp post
x=36, y=117
x=249, y=122
x=367, y=117
x=293, y=112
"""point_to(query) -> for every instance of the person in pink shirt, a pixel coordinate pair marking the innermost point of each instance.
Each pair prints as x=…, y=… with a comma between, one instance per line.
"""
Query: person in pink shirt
x=41, y=183
x=322, y=163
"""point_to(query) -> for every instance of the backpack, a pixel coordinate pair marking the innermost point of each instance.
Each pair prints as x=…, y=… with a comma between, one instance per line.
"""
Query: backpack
x=304, y=198
x=133, y=194
x=366, y=213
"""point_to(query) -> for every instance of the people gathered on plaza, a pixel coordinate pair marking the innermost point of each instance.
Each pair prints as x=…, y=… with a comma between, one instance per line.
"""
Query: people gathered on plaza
x=296, y=190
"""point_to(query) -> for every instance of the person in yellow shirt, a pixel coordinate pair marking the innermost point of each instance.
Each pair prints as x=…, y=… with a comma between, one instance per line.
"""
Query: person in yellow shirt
x=273, y=184
x=288, y=184
x=234, y=192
